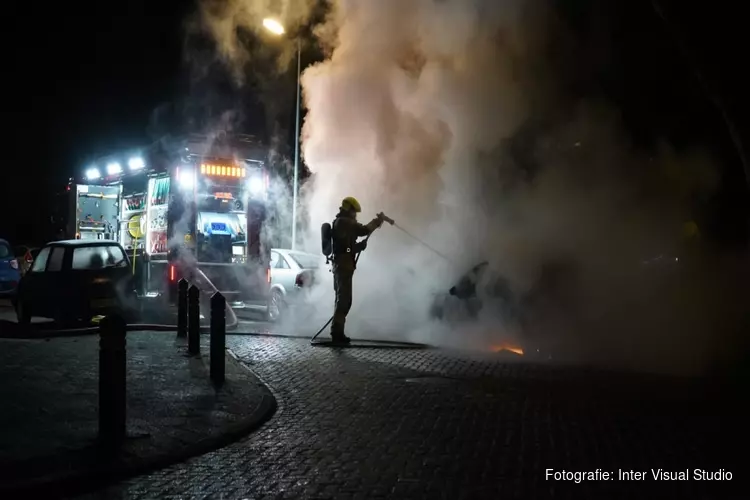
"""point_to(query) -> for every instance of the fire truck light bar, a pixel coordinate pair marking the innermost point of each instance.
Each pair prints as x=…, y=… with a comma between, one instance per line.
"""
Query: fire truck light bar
x=222, y=170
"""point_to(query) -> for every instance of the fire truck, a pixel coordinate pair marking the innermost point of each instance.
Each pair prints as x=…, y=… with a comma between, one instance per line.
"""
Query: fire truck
x=196, y=202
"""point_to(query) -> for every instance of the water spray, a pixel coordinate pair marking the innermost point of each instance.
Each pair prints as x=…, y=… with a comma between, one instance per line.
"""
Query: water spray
x=390, y=221
x=423, y=243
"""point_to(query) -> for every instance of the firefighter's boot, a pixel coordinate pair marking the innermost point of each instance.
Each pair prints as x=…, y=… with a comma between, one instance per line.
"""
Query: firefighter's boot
x=338, y=337
x=341, y=339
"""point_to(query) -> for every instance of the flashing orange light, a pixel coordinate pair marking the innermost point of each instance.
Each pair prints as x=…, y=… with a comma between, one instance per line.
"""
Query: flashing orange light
x=171, y=273
x=223, y=196
x=268, y=275
x=222, y=170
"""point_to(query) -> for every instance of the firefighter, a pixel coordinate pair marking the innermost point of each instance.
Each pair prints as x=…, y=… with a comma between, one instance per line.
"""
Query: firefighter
x=345, y=231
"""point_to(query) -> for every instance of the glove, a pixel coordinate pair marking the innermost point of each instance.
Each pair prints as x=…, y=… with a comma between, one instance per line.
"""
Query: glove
x=385, y=218
x=359, y=247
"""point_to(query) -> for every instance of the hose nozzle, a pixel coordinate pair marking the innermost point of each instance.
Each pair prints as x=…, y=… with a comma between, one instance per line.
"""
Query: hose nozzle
x=385, y=218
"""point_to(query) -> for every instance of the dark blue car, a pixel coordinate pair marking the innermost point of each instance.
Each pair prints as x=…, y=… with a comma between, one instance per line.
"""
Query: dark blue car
x=10, y=273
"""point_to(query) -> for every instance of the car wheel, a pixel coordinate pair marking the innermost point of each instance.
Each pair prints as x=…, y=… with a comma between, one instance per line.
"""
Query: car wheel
x=23, y=313
x=276, y=306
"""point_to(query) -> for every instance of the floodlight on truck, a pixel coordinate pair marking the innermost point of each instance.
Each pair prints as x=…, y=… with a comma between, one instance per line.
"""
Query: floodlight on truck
x=136, y=163
x=92, y=174
x=256, y=185
x=186, y=178
x=114, y=168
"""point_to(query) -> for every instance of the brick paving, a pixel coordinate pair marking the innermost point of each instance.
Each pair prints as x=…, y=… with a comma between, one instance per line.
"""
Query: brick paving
x=377, y=423
x=49, y=416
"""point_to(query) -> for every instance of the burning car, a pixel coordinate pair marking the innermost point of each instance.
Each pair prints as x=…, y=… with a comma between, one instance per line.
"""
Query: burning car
x=467, y=297
x=484, y=289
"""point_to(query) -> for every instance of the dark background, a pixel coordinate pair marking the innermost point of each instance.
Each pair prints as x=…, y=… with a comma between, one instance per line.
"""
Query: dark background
x=85, y=79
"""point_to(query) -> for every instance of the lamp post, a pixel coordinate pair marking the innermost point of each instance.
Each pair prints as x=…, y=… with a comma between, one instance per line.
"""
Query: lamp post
x=276, y=28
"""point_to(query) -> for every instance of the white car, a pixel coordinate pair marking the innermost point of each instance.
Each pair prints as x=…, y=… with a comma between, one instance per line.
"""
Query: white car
x=292, y=275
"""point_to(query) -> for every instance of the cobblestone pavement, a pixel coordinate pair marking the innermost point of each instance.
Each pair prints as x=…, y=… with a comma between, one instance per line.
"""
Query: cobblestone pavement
x=372, y=423
x=49, y=415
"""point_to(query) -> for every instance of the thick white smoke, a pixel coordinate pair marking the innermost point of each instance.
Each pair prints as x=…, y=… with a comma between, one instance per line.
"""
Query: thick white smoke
x=413, y=93
x=416, y=113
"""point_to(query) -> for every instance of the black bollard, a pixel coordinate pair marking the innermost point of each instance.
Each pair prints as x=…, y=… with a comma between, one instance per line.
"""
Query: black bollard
x=182, y=307
x=194, y=321
x=218, y=337
x=112, y=373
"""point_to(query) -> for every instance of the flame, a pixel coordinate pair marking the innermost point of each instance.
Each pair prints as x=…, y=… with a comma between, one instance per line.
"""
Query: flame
x=507, y=347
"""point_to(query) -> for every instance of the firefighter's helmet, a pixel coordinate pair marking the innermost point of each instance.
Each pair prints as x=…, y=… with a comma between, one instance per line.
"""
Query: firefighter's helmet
x=351, y=203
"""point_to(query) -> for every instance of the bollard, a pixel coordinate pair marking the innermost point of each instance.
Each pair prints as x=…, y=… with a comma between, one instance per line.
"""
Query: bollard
x=194, y=321
x=112, y=371
x=218, y=337
x=182, y=307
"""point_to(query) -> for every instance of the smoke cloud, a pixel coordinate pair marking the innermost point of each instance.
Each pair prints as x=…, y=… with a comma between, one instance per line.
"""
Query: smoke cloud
x=453, y=118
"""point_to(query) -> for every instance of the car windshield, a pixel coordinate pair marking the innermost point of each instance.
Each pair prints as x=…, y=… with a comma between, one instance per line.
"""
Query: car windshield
x=5, y=252
x=99, y=257
x=305, y=261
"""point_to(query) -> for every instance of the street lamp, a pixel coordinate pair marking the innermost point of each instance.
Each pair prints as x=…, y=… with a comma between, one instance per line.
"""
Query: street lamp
x=276, y=28
x=273, y=26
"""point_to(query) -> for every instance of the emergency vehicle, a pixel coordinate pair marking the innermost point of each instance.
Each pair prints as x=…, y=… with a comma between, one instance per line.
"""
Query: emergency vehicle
x=194, y=202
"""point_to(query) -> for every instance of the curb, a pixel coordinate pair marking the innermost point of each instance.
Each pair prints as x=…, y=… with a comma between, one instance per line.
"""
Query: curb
x=109, y=474
x=11, y=331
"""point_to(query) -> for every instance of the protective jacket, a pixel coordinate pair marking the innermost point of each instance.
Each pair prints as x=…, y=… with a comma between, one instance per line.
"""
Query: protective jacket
x=345, y=231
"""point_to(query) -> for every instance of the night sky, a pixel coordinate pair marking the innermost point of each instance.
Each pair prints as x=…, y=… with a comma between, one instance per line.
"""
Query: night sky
x=87, y=77
x=84, y=79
